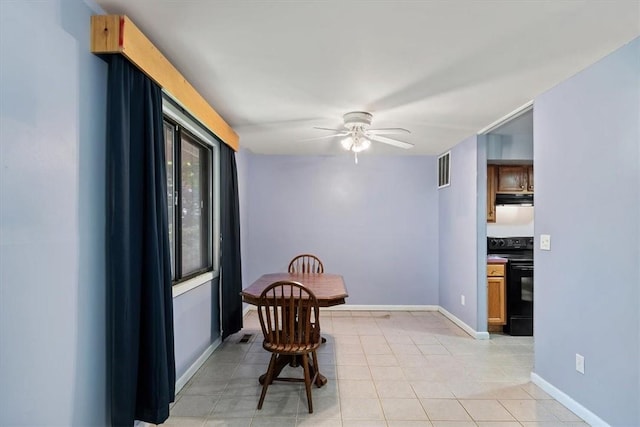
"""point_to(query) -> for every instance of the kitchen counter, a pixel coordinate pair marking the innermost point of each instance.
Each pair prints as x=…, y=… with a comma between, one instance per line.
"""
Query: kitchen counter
x=496, y=260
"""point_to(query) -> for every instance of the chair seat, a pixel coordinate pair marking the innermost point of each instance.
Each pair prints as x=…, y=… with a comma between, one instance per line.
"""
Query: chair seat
x=291, y=349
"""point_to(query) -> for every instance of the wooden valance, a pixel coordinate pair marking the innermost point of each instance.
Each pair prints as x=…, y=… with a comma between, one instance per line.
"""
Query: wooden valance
x=117, y=34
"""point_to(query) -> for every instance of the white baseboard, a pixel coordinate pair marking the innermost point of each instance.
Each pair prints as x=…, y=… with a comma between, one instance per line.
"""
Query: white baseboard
x=247, y=309
x=468, y=329
x=180, y=382
x=356, y=307
x=591, y=418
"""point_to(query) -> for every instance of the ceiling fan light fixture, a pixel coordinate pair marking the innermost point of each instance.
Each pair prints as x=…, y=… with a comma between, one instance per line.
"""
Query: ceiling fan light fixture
x=355, y=143
x=347, y=143
x=361, y=145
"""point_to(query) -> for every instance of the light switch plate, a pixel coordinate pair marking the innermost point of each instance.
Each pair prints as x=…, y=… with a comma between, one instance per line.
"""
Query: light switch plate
x=545, y=242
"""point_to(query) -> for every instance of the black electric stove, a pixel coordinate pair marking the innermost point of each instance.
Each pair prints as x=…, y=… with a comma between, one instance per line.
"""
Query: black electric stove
x=511, y=247
x=519, y=253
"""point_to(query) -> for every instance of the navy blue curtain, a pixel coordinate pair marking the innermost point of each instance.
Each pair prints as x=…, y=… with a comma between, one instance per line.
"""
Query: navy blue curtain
x=231, y=280
x=140, y=325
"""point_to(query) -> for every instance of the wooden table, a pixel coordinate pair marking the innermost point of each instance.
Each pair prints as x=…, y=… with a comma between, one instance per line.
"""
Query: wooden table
x=329, y=290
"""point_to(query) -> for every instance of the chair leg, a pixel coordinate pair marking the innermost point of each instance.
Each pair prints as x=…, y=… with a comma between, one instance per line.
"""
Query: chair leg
x=268, y=379
x=307, y=381
x=316, y=368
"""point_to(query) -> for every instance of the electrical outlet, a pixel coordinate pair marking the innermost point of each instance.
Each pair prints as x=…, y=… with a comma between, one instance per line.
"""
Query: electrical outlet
x=545, y=242
x=580, y=363
x=462, y=299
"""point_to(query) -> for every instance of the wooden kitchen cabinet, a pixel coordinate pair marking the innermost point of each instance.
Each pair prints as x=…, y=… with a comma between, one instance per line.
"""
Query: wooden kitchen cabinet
x=491, y=193
x=514, y=179
x=496, y=295
x=510, y=179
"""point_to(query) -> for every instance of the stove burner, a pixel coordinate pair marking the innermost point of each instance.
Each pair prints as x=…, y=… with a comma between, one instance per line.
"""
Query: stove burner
x=509, y=244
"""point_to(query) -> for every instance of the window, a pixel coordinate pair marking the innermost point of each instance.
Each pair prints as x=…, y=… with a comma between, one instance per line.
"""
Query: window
x=444, y=170
x=192, y=186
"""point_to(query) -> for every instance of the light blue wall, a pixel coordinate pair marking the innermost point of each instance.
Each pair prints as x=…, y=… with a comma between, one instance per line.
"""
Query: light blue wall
x=509, y=147
x=52, y=217
x=587, y=157
x=196, y=321
x=375, y=223
x=458, y=234
x=513, y=140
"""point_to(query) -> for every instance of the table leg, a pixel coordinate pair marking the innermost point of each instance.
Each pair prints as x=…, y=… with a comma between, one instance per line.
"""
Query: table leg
x=313, y=363
x=321, y=380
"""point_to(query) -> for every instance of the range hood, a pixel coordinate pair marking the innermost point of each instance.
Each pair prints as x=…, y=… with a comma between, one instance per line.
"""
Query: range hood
x=514, y=199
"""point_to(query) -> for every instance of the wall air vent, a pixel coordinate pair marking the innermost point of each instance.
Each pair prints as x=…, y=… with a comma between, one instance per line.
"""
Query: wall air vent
x=444, y=172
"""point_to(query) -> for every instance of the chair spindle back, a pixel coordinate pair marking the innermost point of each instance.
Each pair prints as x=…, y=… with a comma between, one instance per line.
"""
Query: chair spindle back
x=306, y=263
x=289, y=315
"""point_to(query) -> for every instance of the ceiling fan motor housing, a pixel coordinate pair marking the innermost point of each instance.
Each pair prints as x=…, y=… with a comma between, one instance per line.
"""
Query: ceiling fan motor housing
x=357, y=119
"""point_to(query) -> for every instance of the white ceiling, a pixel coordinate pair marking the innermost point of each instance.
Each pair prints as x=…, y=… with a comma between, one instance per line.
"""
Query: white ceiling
x=442, y=69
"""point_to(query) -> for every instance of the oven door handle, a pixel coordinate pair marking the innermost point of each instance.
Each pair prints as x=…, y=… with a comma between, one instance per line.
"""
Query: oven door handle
x=522, y=267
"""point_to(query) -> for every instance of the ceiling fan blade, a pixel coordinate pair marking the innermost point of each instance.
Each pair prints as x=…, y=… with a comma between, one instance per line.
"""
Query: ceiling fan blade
x=387, y=131
x=390, y=141
x=333, y=135
x=333, y=130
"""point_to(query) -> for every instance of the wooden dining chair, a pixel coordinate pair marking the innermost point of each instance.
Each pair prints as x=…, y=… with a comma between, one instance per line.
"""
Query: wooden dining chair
x=306, y=263
x=290, y=321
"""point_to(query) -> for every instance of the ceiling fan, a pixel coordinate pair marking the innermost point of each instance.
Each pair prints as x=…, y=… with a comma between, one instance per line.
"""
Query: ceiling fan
x=358, y=136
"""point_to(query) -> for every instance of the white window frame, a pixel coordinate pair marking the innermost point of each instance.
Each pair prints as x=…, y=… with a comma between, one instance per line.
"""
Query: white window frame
x=177, y=114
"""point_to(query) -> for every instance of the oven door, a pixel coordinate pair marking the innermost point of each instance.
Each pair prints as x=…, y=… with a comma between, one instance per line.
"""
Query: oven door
x=520, y=298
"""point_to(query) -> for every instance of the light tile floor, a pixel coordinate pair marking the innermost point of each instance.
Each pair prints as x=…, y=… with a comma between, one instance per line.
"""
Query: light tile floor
x=387, y=369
